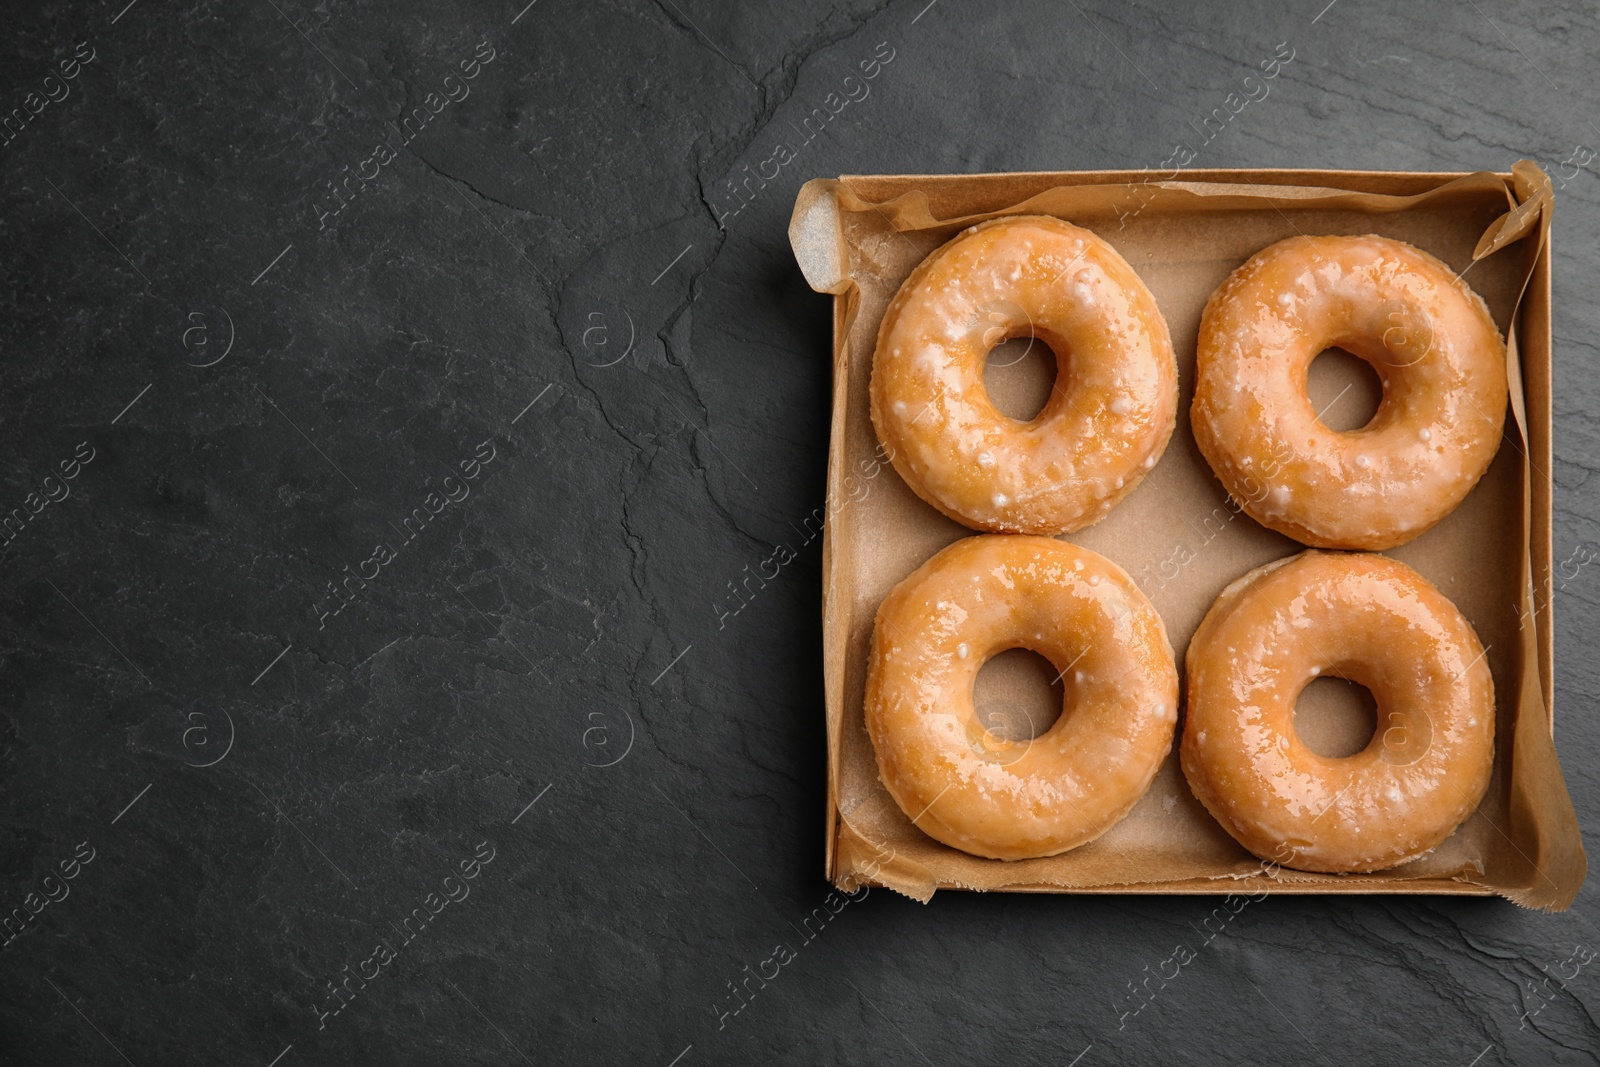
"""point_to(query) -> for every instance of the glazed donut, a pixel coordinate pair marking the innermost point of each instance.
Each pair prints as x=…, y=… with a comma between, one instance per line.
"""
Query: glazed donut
x=1111, y=411
x=1433, y=345
x=1371, y=620
x=1007, y=799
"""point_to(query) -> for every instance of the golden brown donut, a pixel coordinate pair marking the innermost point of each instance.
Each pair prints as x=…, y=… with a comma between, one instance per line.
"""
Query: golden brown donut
x=1433, y=345
x=981, y=793
x=1108, y=418
x=1371, y=620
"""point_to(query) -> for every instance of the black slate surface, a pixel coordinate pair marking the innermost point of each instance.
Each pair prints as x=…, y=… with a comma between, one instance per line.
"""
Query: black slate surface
x=542, y=315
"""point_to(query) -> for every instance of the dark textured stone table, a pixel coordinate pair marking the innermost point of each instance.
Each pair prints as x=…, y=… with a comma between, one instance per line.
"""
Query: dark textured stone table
x=400, y=389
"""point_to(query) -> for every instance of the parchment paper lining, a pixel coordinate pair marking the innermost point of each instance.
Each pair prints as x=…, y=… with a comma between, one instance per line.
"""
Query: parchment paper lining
x=859, y=237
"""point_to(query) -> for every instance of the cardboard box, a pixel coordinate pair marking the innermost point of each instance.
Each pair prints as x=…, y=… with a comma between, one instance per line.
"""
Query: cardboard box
x=859, y=237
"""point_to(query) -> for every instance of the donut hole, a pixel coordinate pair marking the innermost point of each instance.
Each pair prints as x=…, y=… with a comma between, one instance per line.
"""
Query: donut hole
x=1019, y=375
x=1335, y=717
x=1345, y=391
x=1017, y=695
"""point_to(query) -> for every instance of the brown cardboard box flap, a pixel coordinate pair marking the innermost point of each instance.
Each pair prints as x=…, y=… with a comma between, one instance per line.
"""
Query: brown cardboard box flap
x=859, y=237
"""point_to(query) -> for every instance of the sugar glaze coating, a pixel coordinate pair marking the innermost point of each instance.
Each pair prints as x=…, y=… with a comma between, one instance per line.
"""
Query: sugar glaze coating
x=1371, y=620
x=1433, y=345
x=1107, y=420
x=981, y=793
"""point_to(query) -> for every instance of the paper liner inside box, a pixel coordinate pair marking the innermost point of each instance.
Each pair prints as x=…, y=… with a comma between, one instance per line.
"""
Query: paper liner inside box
x=859, y=237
